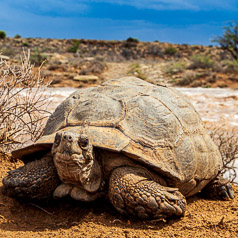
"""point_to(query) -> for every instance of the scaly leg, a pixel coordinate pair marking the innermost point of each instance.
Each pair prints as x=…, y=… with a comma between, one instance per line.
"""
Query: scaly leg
x=132, y=191
x=35, y=180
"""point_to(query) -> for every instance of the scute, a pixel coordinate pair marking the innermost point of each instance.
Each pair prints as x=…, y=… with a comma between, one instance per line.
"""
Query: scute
x=177, y=103
x=58, y=119
x=90, y=111
x=154, y=125
x=149, y=122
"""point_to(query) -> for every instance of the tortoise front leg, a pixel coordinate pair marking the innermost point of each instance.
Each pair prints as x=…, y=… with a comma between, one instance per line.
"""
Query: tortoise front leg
x=132, y=191
x=35, y=180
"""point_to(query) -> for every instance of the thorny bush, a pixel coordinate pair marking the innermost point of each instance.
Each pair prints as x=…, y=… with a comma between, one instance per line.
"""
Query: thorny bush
x=227, y=142
x=23, y=104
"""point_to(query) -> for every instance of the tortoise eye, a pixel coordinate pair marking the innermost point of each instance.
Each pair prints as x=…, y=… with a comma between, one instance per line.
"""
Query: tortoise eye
x=83, y=141
x=57, y=139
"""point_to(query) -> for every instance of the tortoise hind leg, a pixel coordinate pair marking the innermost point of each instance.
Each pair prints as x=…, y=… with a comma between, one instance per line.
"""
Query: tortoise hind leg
x=219, y=189
x=132, y=191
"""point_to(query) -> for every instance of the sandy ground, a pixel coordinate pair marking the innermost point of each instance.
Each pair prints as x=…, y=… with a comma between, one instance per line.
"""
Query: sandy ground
x=68, y=218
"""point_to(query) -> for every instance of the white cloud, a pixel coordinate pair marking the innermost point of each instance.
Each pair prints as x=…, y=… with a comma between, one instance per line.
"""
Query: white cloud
x=153, y=4
x=46, y=6
x=175, y=4
x=83, y=6
x=30, y=25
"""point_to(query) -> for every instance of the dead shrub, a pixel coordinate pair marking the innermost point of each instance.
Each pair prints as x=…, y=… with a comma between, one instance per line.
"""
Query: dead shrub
x=92, y=67
x=187, y=78
x=23, y=104
x=227, y=142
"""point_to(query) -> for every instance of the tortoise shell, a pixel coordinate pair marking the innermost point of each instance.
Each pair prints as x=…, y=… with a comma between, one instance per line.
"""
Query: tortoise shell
x=154, y=125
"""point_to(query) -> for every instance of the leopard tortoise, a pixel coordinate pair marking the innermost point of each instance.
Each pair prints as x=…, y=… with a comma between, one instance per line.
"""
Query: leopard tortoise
x=141, y=144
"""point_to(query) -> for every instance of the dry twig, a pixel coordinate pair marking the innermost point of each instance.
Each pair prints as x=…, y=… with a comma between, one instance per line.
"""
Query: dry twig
x=42, y=209
x=22, y=104
x=227, y=142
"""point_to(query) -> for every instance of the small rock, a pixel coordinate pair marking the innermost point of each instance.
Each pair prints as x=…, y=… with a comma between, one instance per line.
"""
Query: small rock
x=86, y=78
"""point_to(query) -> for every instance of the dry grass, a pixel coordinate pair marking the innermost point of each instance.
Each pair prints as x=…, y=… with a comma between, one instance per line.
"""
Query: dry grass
x=135, y=70
x=23, y=104
x=227, y=142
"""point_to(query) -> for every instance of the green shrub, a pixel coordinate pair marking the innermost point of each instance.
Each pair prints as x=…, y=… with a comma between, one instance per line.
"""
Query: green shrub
x=175, y=68
x=130, y=43
x=170, y=50
x=17, y=36
x=25, y=43
x=74, y=47
x=201, y=61
x=7, y=51
x=37, y=58
x=229, y=40
x=131, y=39
x=135, y=70
x=2, y=35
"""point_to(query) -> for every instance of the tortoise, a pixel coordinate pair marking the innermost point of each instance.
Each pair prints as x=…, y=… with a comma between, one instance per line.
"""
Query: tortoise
x=142, y=145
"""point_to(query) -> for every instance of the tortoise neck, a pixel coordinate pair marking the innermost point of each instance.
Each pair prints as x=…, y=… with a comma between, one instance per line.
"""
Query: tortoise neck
x=95, y=178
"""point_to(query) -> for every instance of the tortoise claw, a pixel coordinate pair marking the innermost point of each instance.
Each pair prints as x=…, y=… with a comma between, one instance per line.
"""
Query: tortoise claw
x=222, y=193
x=225, y=192
x=230, y=191
x=220, y=189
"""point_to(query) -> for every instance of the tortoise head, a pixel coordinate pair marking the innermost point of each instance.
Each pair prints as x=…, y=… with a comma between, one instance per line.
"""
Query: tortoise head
x=75, y=161
x=70, y=143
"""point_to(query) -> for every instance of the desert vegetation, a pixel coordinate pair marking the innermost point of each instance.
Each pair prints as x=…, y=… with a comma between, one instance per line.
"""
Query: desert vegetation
x=202, y=71
x=170, y=50
x=229, y=40
x=227, y=142
x=37, y=58
x=23, y=104
x=131, y=39
x=3, y=34
x=176, y=67
x=179, y=65
x=73, y=48
x=200, y=61
x=135, y=70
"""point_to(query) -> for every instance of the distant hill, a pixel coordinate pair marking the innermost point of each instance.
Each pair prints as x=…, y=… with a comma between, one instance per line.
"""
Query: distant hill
x=157, y=62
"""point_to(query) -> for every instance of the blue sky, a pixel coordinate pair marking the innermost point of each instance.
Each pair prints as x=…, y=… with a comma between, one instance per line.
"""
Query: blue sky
x=175, y=21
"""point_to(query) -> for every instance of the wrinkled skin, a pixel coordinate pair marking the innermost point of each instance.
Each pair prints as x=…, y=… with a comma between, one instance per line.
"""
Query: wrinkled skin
x=132, y=190
x=36, y=180
x=77, y=168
